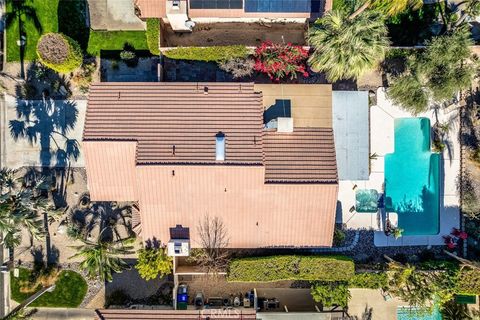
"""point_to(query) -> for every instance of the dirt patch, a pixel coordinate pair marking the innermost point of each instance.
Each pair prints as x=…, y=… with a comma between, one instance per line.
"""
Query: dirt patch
x=221, y=34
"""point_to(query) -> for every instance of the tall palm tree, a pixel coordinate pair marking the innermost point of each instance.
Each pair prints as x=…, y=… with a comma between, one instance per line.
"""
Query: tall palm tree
x=20, y=11
x=101, y=258
x=388, y=7
x=345, y=48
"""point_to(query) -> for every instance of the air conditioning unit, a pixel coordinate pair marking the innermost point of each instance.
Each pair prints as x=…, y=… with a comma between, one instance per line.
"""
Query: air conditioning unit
x=178, y=248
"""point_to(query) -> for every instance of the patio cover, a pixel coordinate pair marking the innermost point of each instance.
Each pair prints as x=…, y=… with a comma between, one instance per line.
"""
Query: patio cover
x=351, y=131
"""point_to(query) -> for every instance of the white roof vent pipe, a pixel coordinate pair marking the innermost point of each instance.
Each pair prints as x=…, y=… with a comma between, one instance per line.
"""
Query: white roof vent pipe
x=220, y=146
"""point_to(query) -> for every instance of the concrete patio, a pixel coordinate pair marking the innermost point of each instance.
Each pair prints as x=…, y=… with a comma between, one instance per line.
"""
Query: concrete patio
x=382, y=118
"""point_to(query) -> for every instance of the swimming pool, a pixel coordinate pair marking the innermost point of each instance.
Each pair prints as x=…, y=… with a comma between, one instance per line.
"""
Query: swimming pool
x=412, y=173
x=406, y=313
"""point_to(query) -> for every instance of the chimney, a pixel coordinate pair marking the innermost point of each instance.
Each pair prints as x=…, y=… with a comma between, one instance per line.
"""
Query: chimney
x=284, y=125
x=220, y=146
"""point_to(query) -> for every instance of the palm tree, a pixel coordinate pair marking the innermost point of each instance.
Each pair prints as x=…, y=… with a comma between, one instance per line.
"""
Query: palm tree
x=346, y=48
x=20, y=11
x=388, y=7
x=22, y=207
x=101, y=258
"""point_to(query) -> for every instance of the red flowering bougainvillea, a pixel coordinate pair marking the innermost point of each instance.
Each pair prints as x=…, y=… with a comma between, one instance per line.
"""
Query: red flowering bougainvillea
x=281, y=60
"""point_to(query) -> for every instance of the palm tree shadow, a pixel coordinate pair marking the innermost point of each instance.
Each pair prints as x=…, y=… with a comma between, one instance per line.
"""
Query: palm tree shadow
x=20, y=10
x=114, y=220
x=48, y=124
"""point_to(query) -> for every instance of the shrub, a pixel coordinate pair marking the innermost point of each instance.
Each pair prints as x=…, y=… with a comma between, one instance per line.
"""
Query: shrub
x=369, y=280
x=469, y=282
x=153, y=262
x=218, y=53
x=279, y=60
x=277, y=268
x=84, y=76
x=127, y=55
x=59, y=52
x=153, y=35
x=238, y=67
x=117, y=298
x=331, y=294
x=338, y=237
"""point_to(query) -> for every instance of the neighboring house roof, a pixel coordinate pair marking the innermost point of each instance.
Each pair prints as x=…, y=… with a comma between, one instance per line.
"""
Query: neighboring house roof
x=305, y=155
x=351, y=129
x=151, y=8
x=125, y=314
x=178, y=122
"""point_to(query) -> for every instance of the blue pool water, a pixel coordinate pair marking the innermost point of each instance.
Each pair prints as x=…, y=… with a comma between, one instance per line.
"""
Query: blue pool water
x=405, y=313
x=412, y=178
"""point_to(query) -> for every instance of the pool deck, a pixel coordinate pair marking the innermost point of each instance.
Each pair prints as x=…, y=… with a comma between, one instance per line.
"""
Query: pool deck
x=382, y=118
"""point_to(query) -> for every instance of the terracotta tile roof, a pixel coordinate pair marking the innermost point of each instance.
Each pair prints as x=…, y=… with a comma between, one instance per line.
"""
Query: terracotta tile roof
x=124, y=314
x=177, y=122
x=151, y=8
x=305, y=155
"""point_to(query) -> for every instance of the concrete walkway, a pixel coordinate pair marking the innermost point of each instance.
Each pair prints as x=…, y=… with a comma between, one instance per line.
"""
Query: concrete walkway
x=114, y=15
x=64, y=313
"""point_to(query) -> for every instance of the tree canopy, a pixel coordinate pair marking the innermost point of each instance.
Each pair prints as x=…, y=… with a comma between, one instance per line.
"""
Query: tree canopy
x=436, y=74
x=346, y=48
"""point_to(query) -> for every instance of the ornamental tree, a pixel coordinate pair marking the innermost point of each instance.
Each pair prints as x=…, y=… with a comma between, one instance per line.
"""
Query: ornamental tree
x=280, y=60
x=437, y=74
x=59, y=52
x=153, y=261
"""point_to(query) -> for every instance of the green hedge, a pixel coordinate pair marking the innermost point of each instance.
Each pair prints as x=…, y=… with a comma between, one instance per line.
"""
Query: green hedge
x=369, y=280
x=219, y=53
x=153, y=35
x=469, y=282
x=277, y=268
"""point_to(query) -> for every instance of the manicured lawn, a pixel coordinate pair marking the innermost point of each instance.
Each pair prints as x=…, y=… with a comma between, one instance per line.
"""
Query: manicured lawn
x=115, y=40
x=46, y=12
x=68, y=17
x=70, y=289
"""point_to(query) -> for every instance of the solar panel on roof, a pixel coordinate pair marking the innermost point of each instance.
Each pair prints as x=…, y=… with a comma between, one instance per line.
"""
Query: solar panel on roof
x=216, y=4
x=278, y=5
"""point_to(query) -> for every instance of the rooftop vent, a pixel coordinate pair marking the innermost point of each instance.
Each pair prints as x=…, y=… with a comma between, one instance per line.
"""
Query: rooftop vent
x=220, y=146
x=284, y=124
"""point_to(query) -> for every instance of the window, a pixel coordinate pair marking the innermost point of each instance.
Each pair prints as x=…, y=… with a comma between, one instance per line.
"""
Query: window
x=216, y=4
x=220, y=146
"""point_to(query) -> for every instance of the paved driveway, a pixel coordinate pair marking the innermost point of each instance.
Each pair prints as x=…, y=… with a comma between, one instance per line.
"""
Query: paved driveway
x=43, y=151
x=114, y=15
